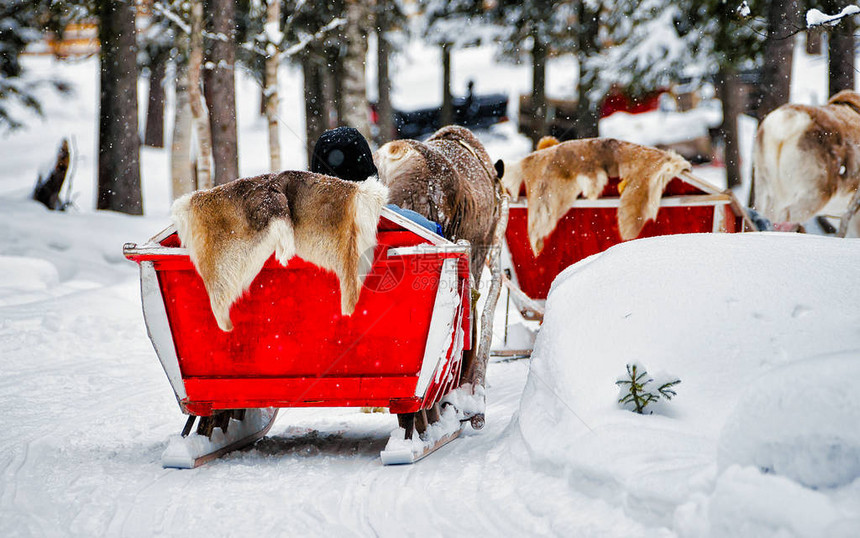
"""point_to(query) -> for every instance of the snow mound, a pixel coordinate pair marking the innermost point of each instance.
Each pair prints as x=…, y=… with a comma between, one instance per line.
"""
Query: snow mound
x=799, y=421
x=662, y=127
x=27, y=273
x=719, y=311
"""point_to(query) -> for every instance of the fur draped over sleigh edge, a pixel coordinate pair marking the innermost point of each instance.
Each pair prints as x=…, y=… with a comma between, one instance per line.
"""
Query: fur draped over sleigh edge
x=231, y=230
x=556, y=175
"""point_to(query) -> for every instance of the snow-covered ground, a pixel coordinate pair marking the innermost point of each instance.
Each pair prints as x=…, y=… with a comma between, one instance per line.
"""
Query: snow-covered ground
x=762, y=331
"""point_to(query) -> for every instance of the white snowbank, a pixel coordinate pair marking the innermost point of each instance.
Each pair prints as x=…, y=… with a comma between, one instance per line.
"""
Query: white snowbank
x=799, y=421
x=662, y=127
x=736, y=318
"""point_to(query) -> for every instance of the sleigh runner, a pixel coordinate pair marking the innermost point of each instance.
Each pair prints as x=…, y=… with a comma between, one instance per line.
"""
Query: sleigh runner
x=402, y=348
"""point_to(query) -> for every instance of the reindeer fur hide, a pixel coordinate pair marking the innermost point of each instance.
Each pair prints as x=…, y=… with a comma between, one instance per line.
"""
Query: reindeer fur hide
x=558, y=174
x=231, y=230
x=807, y=159
x=449, y=179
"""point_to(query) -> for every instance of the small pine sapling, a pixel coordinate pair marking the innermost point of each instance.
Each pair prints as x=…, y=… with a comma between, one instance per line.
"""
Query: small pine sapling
x=634, y=392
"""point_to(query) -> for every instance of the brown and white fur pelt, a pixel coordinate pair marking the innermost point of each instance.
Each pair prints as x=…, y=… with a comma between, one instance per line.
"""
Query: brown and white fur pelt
x=558, y=173
x=448, y=179
x=807, y=160
x=231, y=230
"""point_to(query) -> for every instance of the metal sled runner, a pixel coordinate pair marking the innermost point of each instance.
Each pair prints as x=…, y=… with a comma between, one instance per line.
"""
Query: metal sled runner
x=401, y=349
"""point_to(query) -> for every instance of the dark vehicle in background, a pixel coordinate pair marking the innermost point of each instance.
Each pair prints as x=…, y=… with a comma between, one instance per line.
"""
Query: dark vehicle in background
x=472, y=111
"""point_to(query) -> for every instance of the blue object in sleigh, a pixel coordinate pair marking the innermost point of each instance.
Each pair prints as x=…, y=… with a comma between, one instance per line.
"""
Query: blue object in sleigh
x=417, y=218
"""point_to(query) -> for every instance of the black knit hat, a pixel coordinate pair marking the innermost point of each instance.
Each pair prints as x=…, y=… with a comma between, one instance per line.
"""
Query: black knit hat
x=343, y=153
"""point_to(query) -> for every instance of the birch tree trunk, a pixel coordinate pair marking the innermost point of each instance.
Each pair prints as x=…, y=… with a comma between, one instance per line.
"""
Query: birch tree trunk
x=358, y=20
x=273, y=24
x=195, y=97
x=181, y=169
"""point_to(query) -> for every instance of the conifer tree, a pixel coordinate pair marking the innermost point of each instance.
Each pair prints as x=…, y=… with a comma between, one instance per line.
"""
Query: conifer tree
x=23, y=22
x=451, y=26
x=313, y=39
x=657, y=42
x=390, y=16
x=544, y=27
x=635, y=392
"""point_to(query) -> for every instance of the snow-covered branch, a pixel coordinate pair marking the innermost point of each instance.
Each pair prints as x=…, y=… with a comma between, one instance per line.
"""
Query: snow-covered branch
x=305, y=41
x=815, y=18
x=161, y=9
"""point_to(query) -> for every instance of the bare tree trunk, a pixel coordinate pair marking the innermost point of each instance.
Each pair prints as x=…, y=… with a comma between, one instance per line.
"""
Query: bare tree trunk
x=813, y=41
x=333, y=86
x=729, y=95
x=447, y=115
x=538, y=89
x=263, y=95
x=587, y=113
x=119, y=142
x=181, y=169
x=782, y=18
x=273, y=20
x=840, y=64
x=154, y=135
x=219, y=87
x=195, y=97
x=384, y=110
x=359, y=18
x=315, y=110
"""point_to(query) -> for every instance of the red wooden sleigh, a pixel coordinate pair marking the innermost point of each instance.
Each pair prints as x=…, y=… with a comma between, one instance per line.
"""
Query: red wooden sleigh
x=291, y=347
x=688, y=205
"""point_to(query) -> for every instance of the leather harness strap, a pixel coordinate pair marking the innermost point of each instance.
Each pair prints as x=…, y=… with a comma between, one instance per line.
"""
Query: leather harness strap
x=493, y=177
